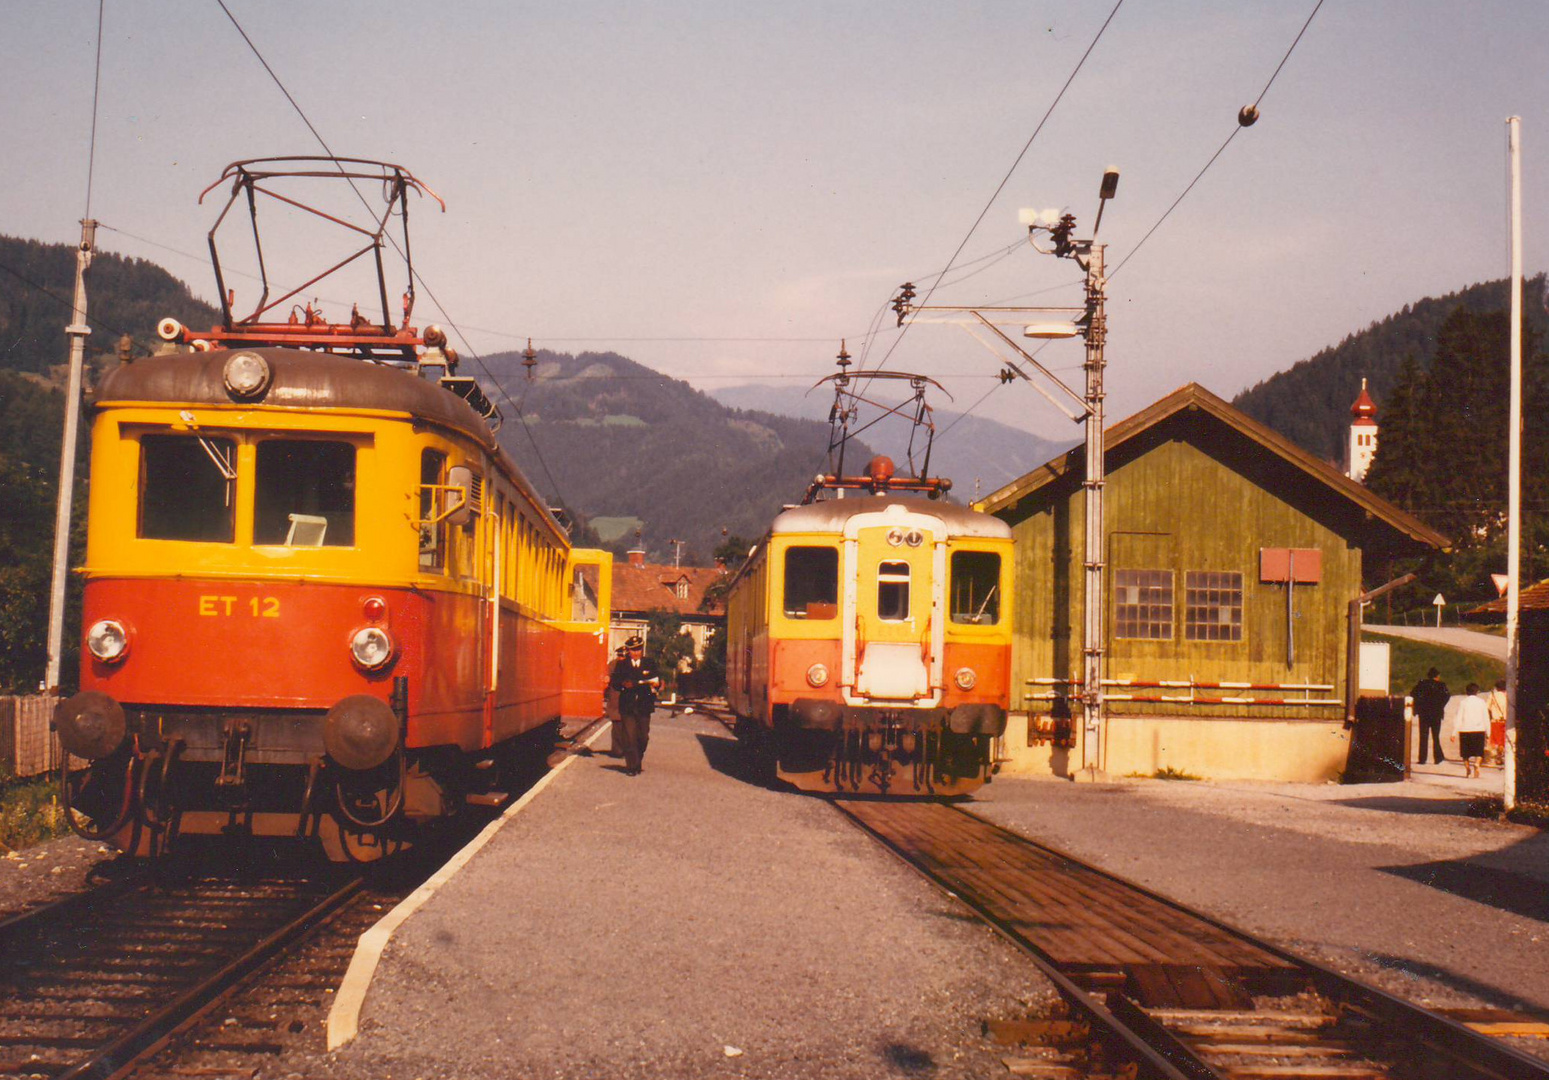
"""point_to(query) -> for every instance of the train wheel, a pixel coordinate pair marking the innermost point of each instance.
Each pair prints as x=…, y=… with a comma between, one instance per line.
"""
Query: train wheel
x=344, y=843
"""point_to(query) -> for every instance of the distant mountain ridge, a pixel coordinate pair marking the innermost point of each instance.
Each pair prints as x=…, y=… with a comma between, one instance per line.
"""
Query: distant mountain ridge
x=973, y=449
x=1309, y=403
x=616, y=440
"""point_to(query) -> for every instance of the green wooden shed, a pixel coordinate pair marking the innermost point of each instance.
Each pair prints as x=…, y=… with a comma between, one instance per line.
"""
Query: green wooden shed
x=1231, y=560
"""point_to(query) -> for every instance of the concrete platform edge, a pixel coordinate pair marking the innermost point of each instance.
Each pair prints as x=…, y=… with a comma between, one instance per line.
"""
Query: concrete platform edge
x=344, y=1016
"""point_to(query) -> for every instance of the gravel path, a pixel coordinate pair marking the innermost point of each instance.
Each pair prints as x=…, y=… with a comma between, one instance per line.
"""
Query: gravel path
x=1393, y=882
x=1456, y=637
x=686, y=923
x=47, y=871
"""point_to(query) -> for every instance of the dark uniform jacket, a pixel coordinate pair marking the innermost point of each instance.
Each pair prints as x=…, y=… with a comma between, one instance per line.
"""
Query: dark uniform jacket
x=1431, y=697
x=636, y=695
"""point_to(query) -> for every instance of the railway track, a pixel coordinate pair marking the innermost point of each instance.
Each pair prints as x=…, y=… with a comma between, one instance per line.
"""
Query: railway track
x=89, y=984
x=1154, y=989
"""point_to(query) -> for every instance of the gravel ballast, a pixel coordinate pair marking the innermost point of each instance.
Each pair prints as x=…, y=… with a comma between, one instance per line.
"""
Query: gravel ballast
x=687, y=923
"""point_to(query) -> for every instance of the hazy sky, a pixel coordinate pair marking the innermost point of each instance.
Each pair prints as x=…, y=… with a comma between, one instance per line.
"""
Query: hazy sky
x=754, y=180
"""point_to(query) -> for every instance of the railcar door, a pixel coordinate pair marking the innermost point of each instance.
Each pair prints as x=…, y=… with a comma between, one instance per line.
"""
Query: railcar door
x=897, y=601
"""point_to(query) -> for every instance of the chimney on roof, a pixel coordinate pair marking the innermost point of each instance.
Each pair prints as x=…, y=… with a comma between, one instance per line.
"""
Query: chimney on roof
x=720, y=564
x=636, y=557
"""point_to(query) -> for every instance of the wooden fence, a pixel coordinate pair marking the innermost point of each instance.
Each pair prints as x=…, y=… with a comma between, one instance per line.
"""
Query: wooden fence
x=27, y=746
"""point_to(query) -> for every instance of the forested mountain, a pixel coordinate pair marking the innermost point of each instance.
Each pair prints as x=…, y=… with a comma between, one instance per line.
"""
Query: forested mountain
x=617, y=440
x=967, y=448
x=37, y=284
x=125, y=296
x=1310, y=402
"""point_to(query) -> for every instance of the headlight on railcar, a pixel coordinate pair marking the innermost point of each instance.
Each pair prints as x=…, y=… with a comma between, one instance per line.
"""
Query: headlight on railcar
x=247, y=375
x=966, y=678
x=817, y=675
x=371, y=647
x=107, y=640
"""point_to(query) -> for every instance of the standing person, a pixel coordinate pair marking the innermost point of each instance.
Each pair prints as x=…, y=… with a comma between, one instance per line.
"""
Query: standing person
x=636, y=680
x=1430, y=696
x=610, y=708
x=1496, y=747
x=1473, y=724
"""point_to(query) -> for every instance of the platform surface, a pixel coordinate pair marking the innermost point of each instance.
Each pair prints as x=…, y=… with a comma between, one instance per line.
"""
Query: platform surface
x=686, y=923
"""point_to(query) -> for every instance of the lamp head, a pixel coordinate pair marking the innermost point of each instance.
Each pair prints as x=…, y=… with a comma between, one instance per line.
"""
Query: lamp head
x=1110, y=183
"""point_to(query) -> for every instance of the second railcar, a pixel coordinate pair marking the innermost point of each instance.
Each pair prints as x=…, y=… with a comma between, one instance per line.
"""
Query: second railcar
x=869, y=645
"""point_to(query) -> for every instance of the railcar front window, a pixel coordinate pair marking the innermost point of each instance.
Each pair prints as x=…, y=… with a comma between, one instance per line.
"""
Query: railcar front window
x=186, y=488
x=811, y=582
x=893, y=591
x=304, y=493
x=976, y=587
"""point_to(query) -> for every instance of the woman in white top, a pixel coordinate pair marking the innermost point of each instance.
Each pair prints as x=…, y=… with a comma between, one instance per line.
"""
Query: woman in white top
x=1472, y=726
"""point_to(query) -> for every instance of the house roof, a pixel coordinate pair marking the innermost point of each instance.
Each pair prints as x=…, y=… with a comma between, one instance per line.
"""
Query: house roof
x=1533, y=598
x=1193, y=397
x=653, y=587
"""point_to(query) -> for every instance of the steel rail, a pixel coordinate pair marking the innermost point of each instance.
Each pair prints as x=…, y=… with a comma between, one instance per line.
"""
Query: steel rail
x=1131, y=1043
x=1442, y=1033
x=119, y=1055
x=1480, y=1054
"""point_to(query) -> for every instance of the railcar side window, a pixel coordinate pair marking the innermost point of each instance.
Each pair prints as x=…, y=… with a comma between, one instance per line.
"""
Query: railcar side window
x=812, y=582
x=432, y=536
x=186, y=487
x=893, y=591
x=304, y=494
x=976, y=587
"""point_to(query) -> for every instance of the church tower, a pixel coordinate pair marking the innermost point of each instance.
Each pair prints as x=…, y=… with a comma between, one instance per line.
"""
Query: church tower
x=1362, y=444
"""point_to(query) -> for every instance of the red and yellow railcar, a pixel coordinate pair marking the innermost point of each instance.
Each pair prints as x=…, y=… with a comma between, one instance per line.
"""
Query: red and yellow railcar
x=320, y=599
x=869, y=643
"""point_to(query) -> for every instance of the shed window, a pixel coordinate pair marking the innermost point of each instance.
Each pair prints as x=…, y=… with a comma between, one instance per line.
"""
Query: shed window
x=304, y=493
x=812, y=582
x=1212, y=606
x=1143, y=604
x=975, y=587
x=186, y=487
x=893, y=591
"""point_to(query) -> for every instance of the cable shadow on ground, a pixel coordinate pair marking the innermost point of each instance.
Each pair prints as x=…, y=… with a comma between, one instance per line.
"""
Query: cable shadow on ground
x=1411, y=804
x=1486, y=992
x=1504, y=890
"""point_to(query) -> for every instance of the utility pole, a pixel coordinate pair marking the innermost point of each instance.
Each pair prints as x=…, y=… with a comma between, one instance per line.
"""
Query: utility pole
x=1090, y=323
x=1095, y=606
x=1514, y=475
x=78, y=332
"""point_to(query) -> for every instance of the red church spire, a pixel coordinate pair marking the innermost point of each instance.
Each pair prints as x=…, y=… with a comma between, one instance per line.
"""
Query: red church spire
x=1364, y=408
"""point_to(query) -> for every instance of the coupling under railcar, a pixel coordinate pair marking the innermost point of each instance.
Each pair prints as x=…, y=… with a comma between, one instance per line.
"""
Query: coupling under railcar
x=869, y=643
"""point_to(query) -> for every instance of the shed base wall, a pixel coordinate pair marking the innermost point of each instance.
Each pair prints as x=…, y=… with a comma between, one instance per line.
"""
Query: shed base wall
x=1212, y=748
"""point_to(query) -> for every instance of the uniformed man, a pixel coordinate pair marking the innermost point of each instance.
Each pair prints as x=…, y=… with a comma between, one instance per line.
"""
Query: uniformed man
x=610, y=708
x=636, y=680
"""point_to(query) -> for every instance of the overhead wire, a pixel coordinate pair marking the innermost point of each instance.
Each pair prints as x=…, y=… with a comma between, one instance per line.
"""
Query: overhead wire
x=1113, y=273
x=96, y=85
x=1236, y=130
x=1007, y=178
x=521, y=417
